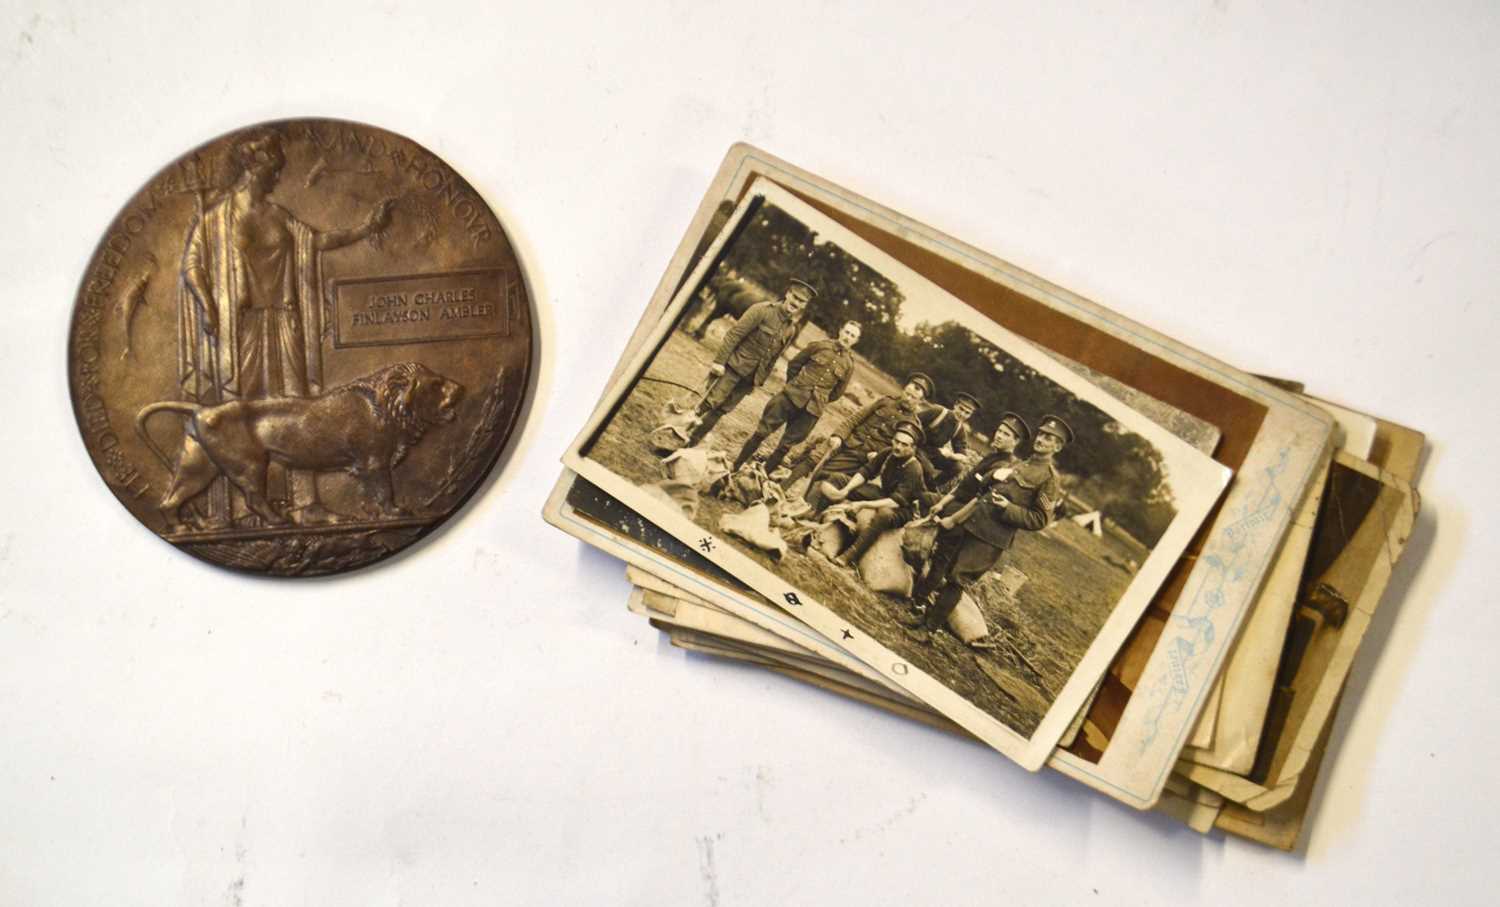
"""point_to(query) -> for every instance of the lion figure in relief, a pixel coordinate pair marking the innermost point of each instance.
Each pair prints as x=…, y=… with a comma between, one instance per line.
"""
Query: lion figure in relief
x=365, y=428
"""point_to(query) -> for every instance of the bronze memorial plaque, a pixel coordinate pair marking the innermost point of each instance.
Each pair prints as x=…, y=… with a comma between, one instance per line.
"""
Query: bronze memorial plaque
x=299, y=347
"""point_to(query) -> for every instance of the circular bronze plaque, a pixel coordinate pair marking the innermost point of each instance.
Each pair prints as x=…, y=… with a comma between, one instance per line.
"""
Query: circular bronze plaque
x=300, y=347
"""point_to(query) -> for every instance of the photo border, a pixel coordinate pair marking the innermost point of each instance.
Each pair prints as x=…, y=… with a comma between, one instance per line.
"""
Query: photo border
x=1198, y=482
x=1279, y=459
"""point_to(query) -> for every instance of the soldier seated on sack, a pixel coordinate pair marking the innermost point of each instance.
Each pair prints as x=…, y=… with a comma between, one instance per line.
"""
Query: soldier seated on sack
x=867, y=431
x=980, y=518
x=942, y=454
x=890, y=485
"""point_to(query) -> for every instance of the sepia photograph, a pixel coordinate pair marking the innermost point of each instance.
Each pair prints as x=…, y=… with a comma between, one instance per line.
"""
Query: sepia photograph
x=1128, y=733
x=975, y=519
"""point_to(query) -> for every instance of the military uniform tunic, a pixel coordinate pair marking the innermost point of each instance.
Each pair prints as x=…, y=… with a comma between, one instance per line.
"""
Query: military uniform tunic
x=819, y=375
x=867, y=431
x=752, y=346
x=886, y=476
x=816, y=377
x=748, y=352
x=872, y=428
x=1032, y=487
x=942, y=428
x=964, y=554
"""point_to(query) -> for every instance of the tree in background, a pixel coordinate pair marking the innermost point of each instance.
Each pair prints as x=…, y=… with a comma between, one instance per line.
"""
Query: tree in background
x=1115, y=470
x=775, y=247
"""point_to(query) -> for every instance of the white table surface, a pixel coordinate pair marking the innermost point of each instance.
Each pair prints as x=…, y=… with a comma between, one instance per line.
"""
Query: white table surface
x=1297, y=189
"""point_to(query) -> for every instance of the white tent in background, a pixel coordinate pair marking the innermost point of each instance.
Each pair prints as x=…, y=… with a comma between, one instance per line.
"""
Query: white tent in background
x=1091, y=521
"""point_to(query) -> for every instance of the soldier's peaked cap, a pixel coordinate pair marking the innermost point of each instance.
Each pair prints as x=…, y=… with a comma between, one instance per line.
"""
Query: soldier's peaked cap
x=962, y=397
x=1016, y=424
x=1054, y=425
x=927, y=383
x=806, y=288
x=910, y=427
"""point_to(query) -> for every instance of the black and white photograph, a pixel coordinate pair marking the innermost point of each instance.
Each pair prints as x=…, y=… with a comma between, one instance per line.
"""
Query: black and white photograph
x=976, y=520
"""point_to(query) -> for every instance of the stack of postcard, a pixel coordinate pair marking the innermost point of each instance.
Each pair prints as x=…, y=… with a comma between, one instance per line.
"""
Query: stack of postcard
x=855, y=451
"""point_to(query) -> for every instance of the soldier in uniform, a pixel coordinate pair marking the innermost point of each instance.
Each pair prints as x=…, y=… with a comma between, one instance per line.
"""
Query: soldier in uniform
x=817, y=376
x=868, y=431
x=748, y=352
x=942, y=454
x=890, y=484
x=1010, y=433
x=996, y=499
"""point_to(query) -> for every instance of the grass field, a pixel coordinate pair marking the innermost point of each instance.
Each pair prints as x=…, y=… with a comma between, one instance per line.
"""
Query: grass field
x=1044, y=630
